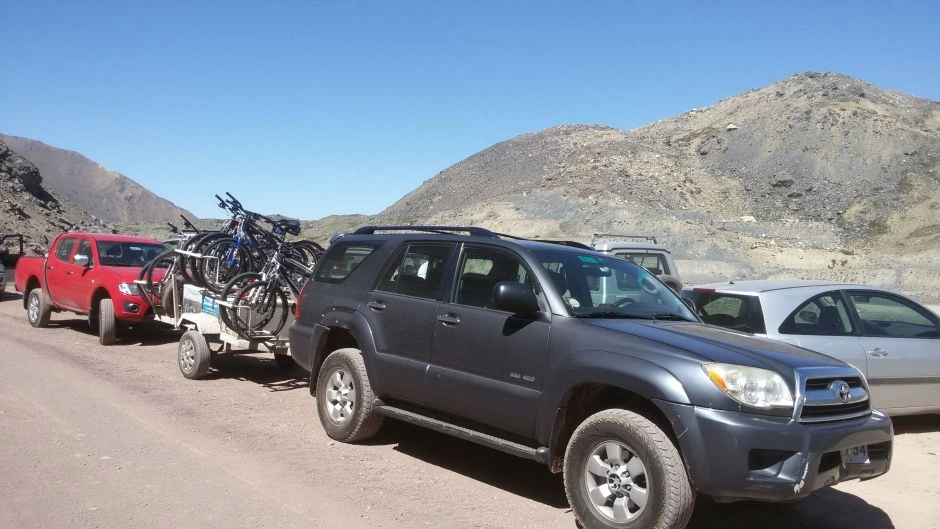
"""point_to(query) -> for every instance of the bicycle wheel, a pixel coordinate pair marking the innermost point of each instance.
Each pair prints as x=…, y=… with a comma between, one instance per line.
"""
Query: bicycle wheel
x=159, y=271
x=191, y=265
x=222, y=260
x=228, y=294
x=259, y=308
x=308, y=251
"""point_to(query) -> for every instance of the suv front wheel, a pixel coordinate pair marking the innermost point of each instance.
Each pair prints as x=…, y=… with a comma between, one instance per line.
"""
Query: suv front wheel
x=622, y=471
x=344, y=398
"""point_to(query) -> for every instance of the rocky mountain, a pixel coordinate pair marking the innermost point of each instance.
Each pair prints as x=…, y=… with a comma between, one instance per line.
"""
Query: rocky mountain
x=101, y=192
x=28, y=208
x=815, y=176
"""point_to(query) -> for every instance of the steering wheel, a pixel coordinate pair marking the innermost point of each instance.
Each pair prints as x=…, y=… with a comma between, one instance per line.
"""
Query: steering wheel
x=623, y=302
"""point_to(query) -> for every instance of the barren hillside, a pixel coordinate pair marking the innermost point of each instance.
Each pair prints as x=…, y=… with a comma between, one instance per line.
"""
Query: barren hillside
x=106, y=194
x=28, y=208
x=817, y=175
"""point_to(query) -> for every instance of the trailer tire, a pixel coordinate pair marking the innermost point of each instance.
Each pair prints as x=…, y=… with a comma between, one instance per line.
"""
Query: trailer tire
x=194, y=355
x=38, y=311
x=107, y=324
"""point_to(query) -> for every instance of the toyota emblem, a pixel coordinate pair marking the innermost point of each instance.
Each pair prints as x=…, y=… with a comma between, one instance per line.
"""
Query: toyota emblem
x=844, y=392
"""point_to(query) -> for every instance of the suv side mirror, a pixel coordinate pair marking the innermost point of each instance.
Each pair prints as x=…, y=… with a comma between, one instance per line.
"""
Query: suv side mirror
x=514, y=297
x=81, y=260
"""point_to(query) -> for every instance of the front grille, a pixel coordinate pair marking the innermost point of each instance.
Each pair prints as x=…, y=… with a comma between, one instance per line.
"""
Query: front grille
x=823, y=401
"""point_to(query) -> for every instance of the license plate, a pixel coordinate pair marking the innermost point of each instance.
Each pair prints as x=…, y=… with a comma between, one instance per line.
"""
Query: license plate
x=857, y=455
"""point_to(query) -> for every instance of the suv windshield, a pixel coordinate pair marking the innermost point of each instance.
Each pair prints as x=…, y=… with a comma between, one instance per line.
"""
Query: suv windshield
x=597, y=286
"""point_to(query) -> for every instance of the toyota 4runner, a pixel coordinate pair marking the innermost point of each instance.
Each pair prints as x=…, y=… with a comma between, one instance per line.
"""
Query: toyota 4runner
x=582, y=361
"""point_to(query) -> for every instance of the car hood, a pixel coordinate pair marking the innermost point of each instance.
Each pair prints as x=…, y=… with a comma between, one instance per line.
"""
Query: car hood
x=717, y=344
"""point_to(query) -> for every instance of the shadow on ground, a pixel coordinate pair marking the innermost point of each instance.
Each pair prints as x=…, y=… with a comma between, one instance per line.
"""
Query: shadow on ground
x=259, y=368
x=828, y=507
x=916, y=424
x=143, y=335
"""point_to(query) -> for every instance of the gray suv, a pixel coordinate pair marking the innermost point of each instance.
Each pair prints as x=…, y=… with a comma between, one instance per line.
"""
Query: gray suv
x=511, y=344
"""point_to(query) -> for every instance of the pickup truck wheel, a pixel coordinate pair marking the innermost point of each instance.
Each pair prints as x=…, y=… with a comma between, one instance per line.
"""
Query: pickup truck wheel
x=345, y=399
x=622, y=471
x=107, y=325
x=37, y=310
x=194, y=355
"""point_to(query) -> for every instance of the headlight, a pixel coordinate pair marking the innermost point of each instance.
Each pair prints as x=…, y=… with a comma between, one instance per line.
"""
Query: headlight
x=752, y=386
x=129, y=289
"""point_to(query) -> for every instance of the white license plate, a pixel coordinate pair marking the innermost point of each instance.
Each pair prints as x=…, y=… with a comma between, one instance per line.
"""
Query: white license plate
x=857, y=455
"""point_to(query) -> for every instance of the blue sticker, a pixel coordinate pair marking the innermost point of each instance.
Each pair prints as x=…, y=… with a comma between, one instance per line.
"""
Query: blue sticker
x=210, y=306
x=589, y=259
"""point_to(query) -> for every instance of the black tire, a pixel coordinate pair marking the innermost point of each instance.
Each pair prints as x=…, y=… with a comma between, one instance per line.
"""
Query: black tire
x=107, y=325
x=640, y=463
x=170, y=262
x=259, y=307
x=38, y=311
x=285, y=362
x=344, y=418
x=193, y=354
x=214, y=273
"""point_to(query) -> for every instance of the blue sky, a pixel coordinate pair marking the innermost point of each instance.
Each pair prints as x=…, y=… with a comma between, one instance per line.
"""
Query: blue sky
x=309, y=108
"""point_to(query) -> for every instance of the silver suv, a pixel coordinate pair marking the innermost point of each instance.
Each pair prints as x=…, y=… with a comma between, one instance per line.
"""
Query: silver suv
x=642, y=250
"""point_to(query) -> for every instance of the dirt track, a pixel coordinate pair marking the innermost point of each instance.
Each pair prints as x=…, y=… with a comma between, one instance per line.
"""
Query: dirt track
x=115, y=437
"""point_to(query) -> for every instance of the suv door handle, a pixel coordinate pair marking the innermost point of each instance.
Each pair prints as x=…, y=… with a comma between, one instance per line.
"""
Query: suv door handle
x=878, y=352
x=376, y=305
x=69, y=273
x=448, y=319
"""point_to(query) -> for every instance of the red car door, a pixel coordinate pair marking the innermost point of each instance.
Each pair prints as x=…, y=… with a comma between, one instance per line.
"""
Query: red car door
x=60, y=271
x=77, y=286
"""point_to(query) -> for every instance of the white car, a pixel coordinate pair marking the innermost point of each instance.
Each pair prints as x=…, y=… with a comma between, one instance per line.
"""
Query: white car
x=893, y=340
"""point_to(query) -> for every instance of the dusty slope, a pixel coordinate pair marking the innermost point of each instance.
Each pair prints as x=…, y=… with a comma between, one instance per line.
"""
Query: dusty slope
x=28, y=208
x=106, y=194
x=817, y=175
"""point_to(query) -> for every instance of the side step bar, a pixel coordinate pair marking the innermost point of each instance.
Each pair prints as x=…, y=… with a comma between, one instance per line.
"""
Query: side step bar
x=537, y=454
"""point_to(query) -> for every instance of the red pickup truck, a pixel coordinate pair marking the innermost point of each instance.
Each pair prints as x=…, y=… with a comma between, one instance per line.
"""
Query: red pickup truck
x=88, y=273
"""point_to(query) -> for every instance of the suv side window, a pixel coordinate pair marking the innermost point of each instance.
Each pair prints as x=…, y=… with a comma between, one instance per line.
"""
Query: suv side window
x=480, y=270
x=883, y=315
x=341, y=259
x=418, y=272
x=733, y=311
x=823, y=315
x=64, y=250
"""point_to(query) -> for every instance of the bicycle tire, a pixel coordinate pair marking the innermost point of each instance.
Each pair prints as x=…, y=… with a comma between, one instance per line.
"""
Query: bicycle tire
x=230, y=260
x=259, y=306
x=229, y=292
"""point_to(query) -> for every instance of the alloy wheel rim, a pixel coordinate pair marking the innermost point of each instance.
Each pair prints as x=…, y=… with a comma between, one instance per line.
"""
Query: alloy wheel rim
x=340, y=396
x=187, y=356
x=616, y=482
x=33, y=308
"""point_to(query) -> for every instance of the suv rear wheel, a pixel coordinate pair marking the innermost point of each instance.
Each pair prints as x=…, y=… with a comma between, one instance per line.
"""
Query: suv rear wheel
x=344, y=398
x=622, y=471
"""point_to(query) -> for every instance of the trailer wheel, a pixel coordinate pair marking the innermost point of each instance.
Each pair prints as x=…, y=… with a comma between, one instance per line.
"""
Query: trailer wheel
x=37, y=310
x=107, y=325
x=285, y=362
x=194, y=355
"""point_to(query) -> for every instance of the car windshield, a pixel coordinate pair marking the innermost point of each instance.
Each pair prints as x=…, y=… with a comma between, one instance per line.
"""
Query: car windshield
x=597, y=286
x=114, y=253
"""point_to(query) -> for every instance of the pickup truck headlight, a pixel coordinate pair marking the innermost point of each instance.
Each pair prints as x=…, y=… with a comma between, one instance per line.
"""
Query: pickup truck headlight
x=129, y=289
x=751, y=386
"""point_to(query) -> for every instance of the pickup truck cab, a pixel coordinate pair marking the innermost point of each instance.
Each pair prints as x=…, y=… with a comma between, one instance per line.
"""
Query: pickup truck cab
x=508, y=343
x=88, y=273
x=642, y=250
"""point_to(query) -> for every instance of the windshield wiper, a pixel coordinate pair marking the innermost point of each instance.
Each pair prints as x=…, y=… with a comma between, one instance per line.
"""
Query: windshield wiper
x=614, y=314
x=669, y=316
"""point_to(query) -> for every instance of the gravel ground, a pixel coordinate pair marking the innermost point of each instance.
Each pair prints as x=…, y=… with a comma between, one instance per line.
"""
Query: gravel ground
x=115, y=437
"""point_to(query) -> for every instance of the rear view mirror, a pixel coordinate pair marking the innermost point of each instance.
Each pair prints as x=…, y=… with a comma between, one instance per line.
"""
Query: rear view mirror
x=514, y=297
x=81, y=260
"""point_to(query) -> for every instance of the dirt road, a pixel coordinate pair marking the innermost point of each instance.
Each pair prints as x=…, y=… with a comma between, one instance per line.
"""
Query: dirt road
x=115, y=437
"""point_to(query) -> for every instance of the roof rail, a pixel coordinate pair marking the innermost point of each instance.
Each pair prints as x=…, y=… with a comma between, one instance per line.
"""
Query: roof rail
x=573, y=244
x=621, y=236
x=470, y=230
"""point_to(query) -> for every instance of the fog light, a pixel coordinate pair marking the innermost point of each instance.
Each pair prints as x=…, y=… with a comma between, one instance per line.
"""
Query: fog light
x=131, y=307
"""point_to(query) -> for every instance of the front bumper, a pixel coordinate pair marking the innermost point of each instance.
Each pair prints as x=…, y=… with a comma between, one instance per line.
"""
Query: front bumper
x=740, y=456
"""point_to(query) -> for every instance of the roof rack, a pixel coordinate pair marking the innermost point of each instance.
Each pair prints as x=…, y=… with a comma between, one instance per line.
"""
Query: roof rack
x=622, y=237
x=573, y=244
x=482, y=232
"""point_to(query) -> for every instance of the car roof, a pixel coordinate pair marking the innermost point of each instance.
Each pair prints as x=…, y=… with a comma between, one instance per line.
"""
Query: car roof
x=492, y=239
x=115, y=237
x=769, y=285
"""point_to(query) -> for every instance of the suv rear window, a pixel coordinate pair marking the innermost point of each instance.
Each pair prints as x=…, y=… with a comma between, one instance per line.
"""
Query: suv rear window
x=341, y=259
x=652, y=262
x=732, y=311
